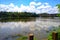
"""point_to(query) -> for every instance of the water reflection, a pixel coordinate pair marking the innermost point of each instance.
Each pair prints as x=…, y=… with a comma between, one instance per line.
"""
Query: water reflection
x=18, y=19
x=39, y=26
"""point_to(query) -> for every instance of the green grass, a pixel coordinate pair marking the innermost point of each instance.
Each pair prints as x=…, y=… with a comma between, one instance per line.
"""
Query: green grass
x=24, y=38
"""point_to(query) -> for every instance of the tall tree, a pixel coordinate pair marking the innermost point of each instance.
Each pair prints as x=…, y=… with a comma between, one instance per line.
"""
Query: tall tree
x=58, y=9
x=58, y=6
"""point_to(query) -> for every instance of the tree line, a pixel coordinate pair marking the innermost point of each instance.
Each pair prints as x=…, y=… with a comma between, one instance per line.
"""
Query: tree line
x=17, y=14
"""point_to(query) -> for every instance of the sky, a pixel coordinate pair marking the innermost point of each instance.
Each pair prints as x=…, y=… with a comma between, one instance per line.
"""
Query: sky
x=38, y=6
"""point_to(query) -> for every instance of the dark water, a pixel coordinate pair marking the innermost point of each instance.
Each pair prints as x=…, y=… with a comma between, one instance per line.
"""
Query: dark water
x=39, y=26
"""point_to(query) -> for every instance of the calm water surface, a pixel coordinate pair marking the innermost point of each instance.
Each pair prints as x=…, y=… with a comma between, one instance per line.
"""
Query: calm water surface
x=39, y=26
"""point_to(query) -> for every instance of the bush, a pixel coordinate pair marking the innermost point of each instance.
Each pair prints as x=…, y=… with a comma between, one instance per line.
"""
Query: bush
x=58, y=31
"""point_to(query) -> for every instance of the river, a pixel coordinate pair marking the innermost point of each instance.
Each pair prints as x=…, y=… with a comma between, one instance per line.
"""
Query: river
x=39, y=26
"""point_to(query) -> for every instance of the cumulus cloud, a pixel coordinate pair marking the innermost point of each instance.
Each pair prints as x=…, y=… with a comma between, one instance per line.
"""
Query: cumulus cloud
x=36, y=7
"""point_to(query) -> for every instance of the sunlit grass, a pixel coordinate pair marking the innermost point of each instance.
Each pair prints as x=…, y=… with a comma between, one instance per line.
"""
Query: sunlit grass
x=24, y=38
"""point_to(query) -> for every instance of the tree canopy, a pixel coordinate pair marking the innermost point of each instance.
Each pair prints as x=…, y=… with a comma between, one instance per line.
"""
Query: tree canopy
x=59, y=9
x=58, y=6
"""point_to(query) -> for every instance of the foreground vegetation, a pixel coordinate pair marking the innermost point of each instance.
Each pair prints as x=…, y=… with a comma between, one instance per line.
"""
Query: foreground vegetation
x=56, y=30
x=24, y=38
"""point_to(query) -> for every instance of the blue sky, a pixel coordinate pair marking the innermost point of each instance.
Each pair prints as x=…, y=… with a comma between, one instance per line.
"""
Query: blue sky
x=26, y=2
x=37, y=6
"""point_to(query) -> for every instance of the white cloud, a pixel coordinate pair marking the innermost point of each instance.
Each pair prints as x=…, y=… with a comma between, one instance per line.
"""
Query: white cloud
x=39, y=3
x=37, y=7
x=35, y=4
x=11, y=5
x=32, y=3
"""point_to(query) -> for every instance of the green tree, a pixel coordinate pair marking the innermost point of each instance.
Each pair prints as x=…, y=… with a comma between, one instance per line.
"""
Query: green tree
x=58, y=5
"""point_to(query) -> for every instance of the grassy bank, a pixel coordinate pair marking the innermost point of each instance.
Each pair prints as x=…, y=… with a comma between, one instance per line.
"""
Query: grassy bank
x=54, y=30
